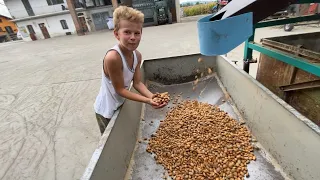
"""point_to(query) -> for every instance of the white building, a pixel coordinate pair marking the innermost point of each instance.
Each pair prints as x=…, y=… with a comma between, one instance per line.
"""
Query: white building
x=42, y=19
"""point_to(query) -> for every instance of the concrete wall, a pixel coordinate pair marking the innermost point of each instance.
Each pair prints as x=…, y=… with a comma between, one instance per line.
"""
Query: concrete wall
x=52, y=23
x=39, y=7
x=292, y=139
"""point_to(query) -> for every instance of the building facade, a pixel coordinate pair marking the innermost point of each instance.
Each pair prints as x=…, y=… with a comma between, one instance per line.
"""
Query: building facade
x=8, y=29
x=43, y=19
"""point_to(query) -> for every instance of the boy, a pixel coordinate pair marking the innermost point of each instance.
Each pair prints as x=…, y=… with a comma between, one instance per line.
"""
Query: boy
x=121, y=65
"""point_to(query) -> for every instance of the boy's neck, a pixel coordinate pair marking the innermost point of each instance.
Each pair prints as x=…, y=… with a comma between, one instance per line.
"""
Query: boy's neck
x=125, y=51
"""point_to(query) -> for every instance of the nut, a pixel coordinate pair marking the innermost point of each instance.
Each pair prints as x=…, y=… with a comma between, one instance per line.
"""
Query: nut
x=200, y=141
x=161, y=97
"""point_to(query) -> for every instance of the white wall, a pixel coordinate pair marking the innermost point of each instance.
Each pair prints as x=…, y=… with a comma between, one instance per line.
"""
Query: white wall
x=16, y=8
x=39, y=7
x=53, y=26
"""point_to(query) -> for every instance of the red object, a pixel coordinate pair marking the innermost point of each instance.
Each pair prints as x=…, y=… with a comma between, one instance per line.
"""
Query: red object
x=223, y=2
x=313, y=8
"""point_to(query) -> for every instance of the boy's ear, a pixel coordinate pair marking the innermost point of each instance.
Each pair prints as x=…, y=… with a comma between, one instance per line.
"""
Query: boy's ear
x=116, y=34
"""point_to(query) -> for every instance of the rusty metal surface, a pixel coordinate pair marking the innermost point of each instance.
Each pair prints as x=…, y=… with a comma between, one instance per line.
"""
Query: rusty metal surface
x=309, y=41
x=208, y=90
x=307, y=102
x=297, y=50
x=300, y=86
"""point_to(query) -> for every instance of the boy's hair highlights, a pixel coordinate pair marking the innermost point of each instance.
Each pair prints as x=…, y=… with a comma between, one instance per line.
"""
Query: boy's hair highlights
x=126, y=13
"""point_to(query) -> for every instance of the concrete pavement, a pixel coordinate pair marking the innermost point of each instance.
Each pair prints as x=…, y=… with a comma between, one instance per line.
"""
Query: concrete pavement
x=48, y=128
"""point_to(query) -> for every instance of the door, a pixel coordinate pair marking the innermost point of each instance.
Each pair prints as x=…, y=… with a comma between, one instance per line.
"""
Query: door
x=100, y=20
x=31, y=32
x=44, y=30
x=9, y=30
x=83, y=24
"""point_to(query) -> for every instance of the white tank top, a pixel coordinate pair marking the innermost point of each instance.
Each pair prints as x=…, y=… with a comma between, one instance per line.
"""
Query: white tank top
x=108, y=101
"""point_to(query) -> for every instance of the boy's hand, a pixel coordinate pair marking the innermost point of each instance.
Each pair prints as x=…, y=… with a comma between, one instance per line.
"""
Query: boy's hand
x=156, y=105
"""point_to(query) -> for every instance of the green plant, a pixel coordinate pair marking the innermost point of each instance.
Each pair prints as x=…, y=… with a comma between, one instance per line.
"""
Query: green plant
x=198, y=9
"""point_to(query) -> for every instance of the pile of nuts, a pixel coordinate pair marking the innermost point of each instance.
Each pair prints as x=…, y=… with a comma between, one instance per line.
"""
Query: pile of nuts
x=161, y=98
x=199, y=141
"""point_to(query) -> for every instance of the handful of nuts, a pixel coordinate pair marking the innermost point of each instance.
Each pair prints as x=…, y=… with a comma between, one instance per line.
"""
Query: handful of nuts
x=161, y=98
x=199, y=141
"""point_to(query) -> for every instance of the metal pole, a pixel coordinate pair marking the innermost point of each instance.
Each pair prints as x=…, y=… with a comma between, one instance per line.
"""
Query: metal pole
x=248, y=53
x=75, y=18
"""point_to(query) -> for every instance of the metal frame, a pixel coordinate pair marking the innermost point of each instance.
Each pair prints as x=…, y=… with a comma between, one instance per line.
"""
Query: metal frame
x=295, y=61
x=301, y=86
x=313, y=68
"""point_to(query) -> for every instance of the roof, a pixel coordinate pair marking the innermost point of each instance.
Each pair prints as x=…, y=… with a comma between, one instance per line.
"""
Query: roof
x=5, y=16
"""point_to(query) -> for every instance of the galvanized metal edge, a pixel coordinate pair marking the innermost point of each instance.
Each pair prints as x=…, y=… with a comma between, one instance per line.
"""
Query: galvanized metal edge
x=96, y=154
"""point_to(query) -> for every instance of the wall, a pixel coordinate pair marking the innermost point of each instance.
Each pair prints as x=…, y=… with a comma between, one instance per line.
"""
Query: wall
x=17, y=9
x=6, y=22
x=52, y=23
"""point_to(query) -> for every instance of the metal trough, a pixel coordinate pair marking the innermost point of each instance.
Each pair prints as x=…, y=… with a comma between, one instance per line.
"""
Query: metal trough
x=289, y=142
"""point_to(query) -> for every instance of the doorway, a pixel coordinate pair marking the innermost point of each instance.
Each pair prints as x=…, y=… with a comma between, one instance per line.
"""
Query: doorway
x=31, y=32
x=100, y=20
x=44, y=30
x=83, y=24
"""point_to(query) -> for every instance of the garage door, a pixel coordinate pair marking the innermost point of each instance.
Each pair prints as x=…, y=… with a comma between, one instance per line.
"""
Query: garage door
x=100, y=20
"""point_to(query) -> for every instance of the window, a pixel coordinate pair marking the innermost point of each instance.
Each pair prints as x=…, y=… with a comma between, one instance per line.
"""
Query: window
x=1, y=30
x=30, y=29
x=28, y=7
x=0, y=20
x=54, y=2
x=64, y=24
x=9, y=29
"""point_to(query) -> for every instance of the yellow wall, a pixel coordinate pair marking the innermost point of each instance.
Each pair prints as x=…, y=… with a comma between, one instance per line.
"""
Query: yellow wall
x=6, y=22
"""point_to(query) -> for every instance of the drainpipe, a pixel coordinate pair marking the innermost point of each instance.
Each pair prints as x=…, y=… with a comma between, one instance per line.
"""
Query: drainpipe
x=74, y=16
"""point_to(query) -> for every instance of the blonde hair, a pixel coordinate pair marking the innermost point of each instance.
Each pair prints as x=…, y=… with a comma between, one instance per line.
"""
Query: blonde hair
x=126, y=13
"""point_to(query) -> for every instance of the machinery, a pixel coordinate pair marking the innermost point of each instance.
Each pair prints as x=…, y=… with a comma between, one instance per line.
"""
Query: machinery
x=155, y=12
x=147, y=7
x=295, y=59
x=163, y=12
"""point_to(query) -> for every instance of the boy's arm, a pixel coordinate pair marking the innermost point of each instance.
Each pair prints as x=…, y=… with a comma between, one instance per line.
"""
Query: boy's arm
x=137, y=84
x=113, y=64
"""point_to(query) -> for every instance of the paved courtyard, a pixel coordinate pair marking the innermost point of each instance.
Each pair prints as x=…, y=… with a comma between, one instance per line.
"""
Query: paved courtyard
x=48, y=128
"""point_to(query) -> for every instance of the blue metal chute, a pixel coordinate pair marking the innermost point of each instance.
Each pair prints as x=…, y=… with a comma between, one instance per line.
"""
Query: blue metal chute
x=221, y=36
x=232, y=25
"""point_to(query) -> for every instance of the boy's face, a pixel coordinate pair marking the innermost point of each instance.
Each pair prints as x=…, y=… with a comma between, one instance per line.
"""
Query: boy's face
x=129, y=34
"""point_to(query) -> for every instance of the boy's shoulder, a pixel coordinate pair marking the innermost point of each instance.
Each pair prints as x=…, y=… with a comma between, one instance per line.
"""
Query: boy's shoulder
x=139, y=55
x=112, y=55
